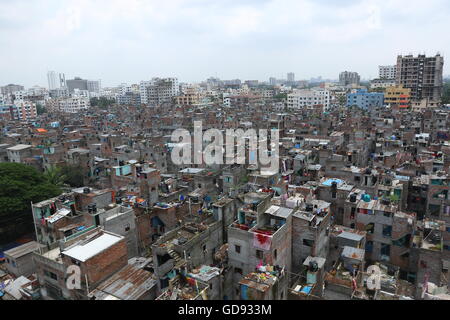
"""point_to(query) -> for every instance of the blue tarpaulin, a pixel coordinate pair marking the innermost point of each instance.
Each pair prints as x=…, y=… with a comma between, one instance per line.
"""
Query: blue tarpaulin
x=306, y=289
x=244, y=290
x=330, y=181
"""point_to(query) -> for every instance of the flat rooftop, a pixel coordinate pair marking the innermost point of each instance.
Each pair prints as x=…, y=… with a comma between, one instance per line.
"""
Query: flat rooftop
x=85, y=251
x=19, y=147
x=350, y=236
x=192, y=170
x=22, y=250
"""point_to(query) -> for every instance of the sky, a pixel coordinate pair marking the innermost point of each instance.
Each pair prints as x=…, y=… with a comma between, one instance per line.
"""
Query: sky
x=125, y=41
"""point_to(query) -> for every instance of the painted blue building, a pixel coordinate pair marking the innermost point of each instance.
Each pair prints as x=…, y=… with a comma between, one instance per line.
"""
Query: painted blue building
x=365, y=100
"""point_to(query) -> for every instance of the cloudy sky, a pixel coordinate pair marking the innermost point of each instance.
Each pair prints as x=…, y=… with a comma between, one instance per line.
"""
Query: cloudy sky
x=132, y=40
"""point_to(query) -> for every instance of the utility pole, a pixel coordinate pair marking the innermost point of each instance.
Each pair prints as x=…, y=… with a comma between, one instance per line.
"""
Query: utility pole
x=35, y=228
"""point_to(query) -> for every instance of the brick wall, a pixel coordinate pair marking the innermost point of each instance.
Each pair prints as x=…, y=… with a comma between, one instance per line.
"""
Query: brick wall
x=106, y=263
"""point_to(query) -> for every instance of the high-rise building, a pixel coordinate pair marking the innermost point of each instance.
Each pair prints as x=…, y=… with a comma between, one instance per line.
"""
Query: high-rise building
x=272, y=81
x=158, y=90
x=423, y=75
x=94, y=86
x=77, y=83
x=52, y=80
x=349, y=78
x=290, y=77
x=55, y=80
x=62, y=80
x=83, y=85
x=387, y=72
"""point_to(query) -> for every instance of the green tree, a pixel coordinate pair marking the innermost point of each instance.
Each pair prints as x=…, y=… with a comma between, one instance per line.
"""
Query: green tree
x=446, y=93
x=73, y=175
x=101, y=102
x=40, y=109
x=94, y=101
x=19, y=186
x=55, y=176
x=280, y=96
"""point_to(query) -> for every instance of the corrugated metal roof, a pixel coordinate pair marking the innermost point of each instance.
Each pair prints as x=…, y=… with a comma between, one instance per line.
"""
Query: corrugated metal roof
x=130, y=283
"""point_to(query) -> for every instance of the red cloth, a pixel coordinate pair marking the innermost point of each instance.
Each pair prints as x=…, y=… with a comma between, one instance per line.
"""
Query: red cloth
x=354, y=286
x=262, y=238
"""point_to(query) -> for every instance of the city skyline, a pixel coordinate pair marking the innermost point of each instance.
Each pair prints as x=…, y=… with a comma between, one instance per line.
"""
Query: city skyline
x=137, y=40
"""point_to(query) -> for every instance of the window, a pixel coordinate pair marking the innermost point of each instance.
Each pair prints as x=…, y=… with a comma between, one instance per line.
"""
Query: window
x=369, y=246
x=237, y=249
x=385, y=251
x=308, y=243
x=275, y=253
x=370, y=228
x=127, y=227
x=352, y=213
x=259, y=254
x=387, y=231
x=387, y=214
x=238, y=270
x=50, y=275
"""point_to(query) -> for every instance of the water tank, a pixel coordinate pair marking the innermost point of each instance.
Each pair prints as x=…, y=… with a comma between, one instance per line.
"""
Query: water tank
x=353, y=197
x=313, y=266
x=86, y=190
x=334, y=186
x=311, y=278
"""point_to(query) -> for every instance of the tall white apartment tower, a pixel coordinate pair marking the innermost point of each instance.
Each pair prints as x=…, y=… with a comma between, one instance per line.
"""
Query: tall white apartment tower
x=53, y=82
